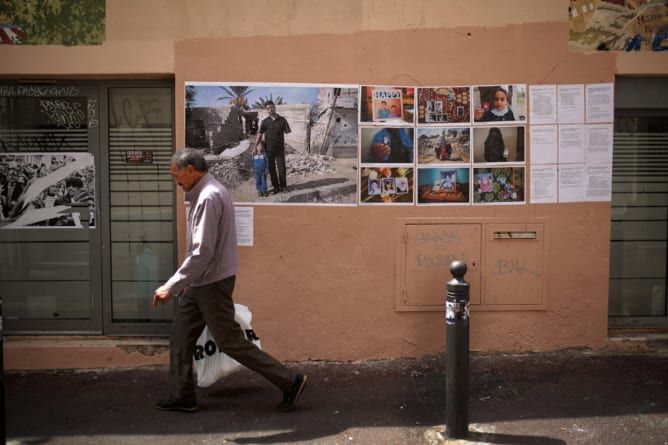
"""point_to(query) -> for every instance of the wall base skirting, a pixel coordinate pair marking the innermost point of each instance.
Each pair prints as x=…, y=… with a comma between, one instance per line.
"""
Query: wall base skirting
x=626, y=340
x=32, y=353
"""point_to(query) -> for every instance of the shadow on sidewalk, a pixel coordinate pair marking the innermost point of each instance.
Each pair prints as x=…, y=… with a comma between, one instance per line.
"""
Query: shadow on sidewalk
x=522, y=399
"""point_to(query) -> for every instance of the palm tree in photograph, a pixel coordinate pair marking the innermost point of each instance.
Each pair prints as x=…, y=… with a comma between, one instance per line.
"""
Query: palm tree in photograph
x=238, y=95
x=261, y=102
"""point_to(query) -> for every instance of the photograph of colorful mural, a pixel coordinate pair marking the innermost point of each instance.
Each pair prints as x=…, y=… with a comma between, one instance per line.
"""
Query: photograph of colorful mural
x=308, y=135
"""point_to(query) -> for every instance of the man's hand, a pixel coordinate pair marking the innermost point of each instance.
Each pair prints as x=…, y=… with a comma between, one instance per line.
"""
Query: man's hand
x=161, y=295
x=378, y=152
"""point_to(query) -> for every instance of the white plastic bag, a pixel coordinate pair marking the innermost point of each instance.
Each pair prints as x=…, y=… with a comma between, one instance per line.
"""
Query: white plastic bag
x=210, y=363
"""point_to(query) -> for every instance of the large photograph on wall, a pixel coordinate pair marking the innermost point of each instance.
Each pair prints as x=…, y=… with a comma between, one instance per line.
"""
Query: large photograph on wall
x=47, y=190
x=277, y=143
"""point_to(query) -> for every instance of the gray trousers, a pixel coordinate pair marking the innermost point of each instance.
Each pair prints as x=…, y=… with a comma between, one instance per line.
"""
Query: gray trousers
x=212, y=305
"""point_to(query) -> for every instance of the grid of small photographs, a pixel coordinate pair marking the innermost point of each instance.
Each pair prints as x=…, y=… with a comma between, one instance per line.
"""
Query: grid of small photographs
x=387, y=153
x=447, y=145
x=444, y=165
x=499, y=140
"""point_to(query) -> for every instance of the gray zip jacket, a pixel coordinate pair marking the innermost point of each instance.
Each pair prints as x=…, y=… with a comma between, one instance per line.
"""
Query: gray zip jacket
x=211, y=242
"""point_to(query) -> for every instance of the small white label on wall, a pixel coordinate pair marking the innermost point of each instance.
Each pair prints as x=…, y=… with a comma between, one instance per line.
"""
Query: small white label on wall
x=244, y=221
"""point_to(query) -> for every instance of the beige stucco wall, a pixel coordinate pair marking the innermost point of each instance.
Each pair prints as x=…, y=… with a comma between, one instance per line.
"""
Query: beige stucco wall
x=140, y=35
x=327, y=275
x=320, y=280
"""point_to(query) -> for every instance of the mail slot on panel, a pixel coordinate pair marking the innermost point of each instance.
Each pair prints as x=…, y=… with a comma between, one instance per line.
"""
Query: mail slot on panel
x=515, y=235
x=514, y=266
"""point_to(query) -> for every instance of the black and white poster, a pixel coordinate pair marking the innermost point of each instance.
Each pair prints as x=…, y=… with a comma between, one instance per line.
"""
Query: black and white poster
x=47, y=190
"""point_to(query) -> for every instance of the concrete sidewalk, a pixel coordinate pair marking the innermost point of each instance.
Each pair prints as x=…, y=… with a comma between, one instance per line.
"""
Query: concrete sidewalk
x=569, y=397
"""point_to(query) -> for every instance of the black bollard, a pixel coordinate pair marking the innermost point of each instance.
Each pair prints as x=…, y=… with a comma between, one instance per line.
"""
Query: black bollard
x=3, y=425
x=457, y=354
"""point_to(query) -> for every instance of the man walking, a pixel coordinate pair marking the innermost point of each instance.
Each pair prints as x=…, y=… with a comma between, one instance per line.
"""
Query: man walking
x=202, y=287
x=274, y=128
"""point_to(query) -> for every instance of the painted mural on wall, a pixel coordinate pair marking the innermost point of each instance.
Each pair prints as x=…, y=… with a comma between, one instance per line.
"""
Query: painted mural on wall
x=52, y=22
x=618, y=25
x=307, y=136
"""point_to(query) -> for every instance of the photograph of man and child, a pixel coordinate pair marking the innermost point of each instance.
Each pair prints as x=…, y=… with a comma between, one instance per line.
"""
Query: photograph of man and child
x=277, y=143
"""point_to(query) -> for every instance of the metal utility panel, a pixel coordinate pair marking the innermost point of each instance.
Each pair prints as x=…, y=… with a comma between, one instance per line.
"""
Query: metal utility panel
x=514, y=266
x=424, y=259
x=506, y=263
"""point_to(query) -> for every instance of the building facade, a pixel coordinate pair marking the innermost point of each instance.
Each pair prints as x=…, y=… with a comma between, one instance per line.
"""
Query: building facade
x=552, y=267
